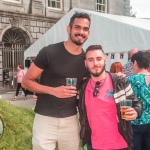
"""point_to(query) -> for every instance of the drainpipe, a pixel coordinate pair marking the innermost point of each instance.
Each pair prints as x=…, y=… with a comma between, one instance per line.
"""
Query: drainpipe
x=107, y=1
x=30, y=7
x=45, y=6
x=70, y=5
x=13, y=66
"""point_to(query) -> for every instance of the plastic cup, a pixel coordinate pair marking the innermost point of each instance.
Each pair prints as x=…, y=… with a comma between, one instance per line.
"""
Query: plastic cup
x=124, y=105
x=71, y=82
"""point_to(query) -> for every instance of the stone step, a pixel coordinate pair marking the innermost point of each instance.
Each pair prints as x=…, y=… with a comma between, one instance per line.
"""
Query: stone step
x=4, y=90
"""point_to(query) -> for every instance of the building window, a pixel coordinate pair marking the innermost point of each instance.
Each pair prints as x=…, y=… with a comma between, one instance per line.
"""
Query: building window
x=101, y=6
x=15, y=1
x=57, y=4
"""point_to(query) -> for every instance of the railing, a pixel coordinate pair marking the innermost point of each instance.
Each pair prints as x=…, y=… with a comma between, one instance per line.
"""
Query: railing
x=12, y=56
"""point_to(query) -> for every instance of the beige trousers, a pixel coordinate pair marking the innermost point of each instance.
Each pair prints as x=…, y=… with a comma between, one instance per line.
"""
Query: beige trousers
x=47, y=131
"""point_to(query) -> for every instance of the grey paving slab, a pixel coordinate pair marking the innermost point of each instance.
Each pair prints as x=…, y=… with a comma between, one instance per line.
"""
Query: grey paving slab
x=29, y=102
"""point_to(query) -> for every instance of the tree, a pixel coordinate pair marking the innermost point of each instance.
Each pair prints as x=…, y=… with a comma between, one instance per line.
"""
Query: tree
x=132, y=13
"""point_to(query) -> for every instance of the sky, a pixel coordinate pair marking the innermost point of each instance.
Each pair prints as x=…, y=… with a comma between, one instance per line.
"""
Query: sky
x=141, y=7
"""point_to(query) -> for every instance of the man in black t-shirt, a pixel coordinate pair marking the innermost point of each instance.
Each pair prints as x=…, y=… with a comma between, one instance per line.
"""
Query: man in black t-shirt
x=56, y=115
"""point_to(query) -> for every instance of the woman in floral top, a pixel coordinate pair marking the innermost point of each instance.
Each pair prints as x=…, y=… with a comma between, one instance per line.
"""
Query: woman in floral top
x=140, y=83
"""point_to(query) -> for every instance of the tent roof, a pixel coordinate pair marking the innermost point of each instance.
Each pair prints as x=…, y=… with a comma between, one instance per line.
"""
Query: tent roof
x=115, y=33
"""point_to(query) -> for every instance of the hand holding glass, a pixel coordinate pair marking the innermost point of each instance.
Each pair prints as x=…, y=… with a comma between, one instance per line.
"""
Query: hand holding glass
x=124, y=105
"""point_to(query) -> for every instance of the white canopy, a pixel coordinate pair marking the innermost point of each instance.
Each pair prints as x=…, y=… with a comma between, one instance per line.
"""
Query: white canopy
x=117, y=35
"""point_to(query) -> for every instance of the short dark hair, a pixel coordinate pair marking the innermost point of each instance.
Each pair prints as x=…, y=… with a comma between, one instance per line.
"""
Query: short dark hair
x=142, y=59
x=94, y=47
x=148, y=53
x=79, y=15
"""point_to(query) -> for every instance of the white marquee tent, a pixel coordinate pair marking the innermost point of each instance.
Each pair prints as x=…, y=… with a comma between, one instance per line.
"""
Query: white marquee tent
x=116, y=34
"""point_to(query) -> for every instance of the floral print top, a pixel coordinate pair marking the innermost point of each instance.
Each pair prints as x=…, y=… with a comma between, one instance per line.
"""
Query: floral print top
x=142, y=92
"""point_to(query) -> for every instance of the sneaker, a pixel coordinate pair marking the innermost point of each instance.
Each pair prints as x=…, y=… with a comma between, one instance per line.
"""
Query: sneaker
x=25, y=98
x=14, y=98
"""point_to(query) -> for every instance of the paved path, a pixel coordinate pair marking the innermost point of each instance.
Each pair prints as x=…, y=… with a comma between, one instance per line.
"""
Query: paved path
x=19, y=101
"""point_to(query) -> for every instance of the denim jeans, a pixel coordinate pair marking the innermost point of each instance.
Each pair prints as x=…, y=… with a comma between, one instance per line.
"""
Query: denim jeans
x=141, y=137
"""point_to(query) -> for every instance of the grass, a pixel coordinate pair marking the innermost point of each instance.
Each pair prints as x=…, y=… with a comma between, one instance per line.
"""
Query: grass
x=17, y=127
x=18, y=122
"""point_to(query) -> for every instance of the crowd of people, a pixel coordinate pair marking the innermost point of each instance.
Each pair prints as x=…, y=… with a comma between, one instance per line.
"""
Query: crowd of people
x=138, y=75
x=97, y=95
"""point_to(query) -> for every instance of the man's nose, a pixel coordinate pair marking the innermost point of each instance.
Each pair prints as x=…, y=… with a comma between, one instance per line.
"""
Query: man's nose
x=95, y=62
x=81, y=30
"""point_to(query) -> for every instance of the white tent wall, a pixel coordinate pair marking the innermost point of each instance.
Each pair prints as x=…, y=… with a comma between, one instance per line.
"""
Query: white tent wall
x=116, y=34
x=117, y=58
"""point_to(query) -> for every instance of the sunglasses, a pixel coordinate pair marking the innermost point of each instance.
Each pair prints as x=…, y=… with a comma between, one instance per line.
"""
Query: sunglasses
x=96, y=92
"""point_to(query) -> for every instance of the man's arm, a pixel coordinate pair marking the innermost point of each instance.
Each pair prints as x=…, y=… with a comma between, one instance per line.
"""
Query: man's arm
x=138, y=106
x=136, y=110
x=29, y=83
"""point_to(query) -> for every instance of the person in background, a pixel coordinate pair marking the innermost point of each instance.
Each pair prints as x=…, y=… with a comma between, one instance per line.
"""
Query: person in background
x=19, y=77
x=127, y=68
x=148, y=53
x=99, y=105
x=56, y=119
x=140, y=83
x=116, y=67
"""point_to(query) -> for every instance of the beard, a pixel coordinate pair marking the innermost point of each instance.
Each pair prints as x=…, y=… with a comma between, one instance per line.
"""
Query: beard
x=97, y=74
x=79, y=43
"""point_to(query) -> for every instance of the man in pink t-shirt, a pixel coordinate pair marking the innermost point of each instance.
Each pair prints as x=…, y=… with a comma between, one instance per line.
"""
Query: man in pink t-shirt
x=99, y=106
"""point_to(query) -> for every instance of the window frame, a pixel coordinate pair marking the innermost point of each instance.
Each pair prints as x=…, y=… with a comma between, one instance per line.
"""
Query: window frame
x=13, y=1
x=102, y=4
x=55, y=7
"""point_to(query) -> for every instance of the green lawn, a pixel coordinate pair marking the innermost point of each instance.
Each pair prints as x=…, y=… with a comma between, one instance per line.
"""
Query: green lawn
x=17, y=127
x=18, y=123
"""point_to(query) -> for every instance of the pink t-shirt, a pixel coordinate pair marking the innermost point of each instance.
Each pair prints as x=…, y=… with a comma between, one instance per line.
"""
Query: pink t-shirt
x=102, y=117
x=20, y=76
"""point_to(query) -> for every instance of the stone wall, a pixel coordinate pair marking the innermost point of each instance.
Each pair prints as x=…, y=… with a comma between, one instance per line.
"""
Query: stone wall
x=34, y=17
x=119, y=7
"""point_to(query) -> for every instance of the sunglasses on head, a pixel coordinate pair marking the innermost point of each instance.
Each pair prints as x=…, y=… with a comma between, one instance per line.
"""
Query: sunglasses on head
x=96, y=89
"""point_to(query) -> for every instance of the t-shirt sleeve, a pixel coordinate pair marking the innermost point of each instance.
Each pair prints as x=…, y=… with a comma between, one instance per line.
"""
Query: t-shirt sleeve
x=41, y=59
x=23, y=72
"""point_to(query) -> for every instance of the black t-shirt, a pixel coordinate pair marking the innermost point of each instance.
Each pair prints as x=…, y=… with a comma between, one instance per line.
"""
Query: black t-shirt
x=58, y=64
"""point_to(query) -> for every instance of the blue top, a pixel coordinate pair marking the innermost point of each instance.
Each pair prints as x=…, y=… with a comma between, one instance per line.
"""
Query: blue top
x=142, y=92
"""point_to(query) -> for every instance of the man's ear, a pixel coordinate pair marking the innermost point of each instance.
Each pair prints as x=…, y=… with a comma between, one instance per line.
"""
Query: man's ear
x=85, y=63
x=89, y=33
x=105, y=60
x=68, y=29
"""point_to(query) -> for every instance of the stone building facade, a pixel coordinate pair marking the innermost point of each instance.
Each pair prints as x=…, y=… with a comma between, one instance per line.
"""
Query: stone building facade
x=22, y=22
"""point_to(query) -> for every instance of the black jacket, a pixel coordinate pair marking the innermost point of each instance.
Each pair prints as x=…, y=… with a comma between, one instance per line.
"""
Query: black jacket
x=122, y=89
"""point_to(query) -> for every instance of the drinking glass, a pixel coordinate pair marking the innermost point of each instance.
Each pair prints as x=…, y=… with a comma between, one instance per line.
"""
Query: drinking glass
x=124, y=105
x=71, y=82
